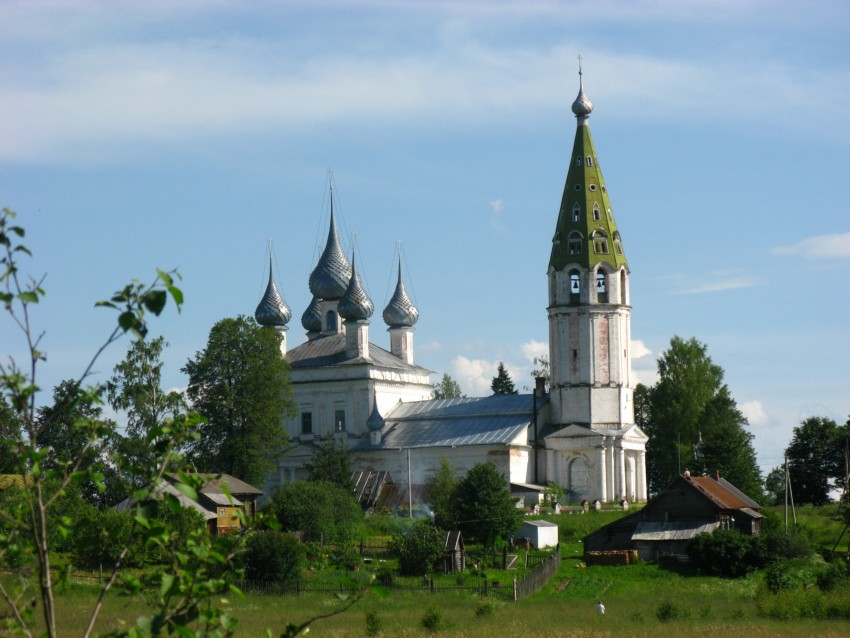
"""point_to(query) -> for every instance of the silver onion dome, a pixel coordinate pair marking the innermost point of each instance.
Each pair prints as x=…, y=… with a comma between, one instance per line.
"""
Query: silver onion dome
x=375, y=422
x=400, y=311
x=582, y=106
x=331, y=275
x=312, y=317
x=272, y=309
x=355, y=304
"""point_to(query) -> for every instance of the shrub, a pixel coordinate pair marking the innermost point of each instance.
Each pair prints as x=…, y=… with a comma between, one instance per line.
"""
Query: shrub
x=418, y=548
x=835, y=573
x=668, y=610
x=323, y=512
x=725, y=553
x=374, y=624
x=433, y=621
x=274, y=556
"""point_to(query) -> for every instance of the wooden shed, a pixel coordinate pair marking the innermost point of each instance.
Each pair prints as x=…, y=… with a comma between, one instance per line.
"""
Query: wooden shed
x=454, y=559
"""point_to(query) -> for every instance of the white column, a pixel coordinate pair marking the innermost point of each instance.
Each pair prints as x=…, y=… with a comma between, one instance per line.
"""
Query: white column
x=551, y=472
x=621, y=473
x=641, y=476
x=611, y=483
x=603, y=471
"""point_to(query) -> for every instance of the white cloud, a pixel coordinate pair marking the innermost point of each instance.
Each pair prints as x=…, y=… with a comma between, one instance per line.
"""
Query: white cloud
x=535, y=349
x=474, y=375
x=721, y=284
x=835, y=246
x=755, y=413
x=640, y=349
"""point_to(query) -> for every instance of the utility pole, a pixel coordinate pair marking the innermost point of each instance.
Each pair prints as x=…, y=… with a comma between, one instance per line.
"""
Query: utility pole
x=409, y=488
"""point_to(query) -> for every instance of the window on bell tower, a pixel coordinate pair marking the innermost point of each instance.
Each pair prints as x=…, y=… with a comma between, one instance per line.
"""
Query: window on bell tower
x=601, y=287
x=575, y=287
x=597, y=215
x=574, y=241
x=576, y=211
x=600, y=242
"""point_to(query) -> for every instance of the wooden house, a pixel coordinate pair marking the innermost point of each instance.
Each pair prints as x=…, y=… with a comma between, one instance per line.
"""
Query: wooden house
x=454, y=559
x=220, y=500
x=689, y=506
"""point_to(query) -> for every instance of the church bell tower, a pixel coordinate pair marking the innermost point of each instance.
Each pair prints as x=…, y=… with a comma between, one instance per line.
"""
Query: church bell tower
x=591, y=394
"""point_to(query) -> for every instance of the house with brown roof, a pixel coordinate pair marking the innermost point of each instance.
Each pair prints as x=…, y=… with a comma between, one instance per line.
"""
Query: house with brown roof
x=689, y=506
x=220, y=500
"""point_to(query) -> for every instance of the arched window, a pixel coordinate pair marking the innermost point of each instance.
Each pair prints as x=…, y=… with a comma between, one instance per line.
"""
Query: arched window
x=332, y=321
x=574, y=241
x=575, y=287
x=589, y=160
x=578, y=160
x=601, y=286
x=596, y=214
x=600, y=242
x=576, y=211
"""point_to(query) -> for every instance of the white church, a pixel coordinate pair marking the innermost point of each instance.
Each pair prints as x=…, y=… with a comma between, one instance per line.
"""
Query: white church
x=580, y=434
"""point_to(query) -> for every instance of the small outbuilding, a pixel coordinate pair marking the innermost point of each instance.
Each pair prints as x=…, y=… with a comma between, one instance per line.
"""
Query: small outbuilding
x=455, y=556
x=541, y=534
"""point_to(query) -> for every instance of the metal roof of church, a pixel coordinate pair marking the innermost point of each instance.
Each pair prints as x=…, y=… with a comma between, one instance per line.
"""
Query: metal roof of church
x=330, y=351
x=496, y=420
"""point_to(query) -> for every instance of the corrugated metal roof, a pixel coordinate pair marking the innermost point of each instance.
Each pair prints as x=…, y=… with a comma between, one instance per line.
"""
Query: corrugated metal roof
x=454, y=422
x=678, y=531
x=213, y=484
x=222, y=499
x=717, y=492
x=329, y=350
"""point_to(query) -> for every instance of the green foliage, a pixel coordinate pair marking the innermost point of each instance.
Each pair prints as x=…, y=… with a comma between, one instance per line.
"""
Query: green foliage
x=774, y=486
x=448, y=388
x=433, y=621
x=815, y=455
x=240, y=384
x=418, y=548
x=552, y=493
x=323, y=512
x=332, y=464
x=441, y=490
x=502, y=382
x=374, y=624
x=836, y=573
x=693, y=422
x=726, y=553
x=669, y=610
x=484, y=507
x=274, y=556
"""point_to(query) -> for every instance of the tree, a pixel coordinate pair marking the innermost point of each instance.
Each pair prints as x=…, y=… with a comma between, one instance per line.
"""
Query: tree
x=541, y=371
x=135, y=389
x=502, y=382
x=774, y=486
x=441, y=490
x=332, y=463
x=815, y=455
x=240, y=384
x=274, y=556
x=693, y=422
x=418, y=548
x=448, y=388
x=321, y=511
x=485, y=509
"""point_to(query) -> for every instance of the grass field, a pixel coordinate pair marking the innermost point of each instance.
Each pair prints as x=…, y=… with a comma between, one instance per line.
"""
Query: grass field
x=641, y=600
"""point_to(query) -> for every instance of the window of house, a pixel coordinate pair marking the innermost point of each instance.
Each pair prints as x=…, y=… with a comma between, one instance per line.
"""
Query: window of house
x=339, y=421
x=576, y=211
x=589, y=160
x=600, y=242
x=332, y=321
x=222, y=512
x=306, y=423
x=596, y=214
x=574, y=241
x=578, y=160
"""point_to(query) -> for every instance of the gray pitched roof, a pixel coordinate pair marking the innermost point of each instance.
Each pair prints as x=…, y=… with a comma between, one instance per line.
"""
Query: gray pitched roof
x=494, y=420
x=329, y=350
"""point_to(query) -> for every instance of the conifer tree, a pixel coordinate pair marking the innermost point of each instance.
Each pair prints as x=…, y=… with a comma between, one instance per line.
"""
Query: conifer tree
x=502, y=382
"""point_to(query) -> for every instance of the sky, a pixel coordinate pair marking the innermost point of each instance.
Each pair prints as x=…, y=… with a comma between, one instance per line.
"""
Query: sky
x=190, y=134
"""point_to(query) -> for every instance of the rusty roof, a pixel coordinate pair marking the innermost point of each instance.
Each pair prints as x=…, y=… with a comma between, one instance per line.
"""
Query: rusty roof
x=719, y=494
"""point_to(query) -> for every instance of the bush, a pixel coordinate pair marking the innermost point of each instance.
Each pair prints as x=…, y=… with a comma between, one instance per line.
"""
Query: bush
x=668, y=610
x=835, y=573
x=726, y=553
x=323, y=512
x=273, y=556
x=418, y=548
x=374, y=624
x=433, y=621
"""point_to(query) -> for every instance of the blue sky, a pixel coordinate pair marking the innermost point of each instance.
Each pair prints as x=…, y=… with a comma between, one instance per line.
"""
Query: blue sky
x=187, y=134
